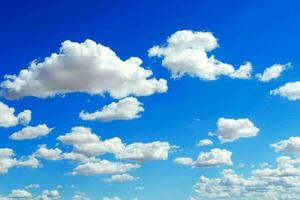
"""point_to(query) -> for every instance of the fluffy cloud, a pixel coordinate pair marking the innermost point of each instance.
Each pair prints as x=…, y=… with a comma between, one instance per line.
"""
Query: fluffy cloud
x=83, y=67
x=289, y=146
x=289, y=90
x=8, y=160
x=20, y=194
x=272, y=72
x=213, y=158
x=31, y=132
x=80, y=196
x=121, y=178
x=89, y=144
x=103, y=167
x=186, y=52
x=49, y=154
x=233, y=129
x=49, y=195
x=205, y=142
x=125, y=109
x=280, y=183
x=113, y=198
x=8, y=118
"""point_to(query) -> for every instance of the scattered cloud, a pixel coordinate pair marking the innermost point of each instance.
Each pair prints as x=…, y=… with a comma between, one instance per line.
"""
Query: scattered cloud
x=205, y=142
x=272, y=72
x=121, y=178
x=31, y=132
x=289, y=146
x=290, y=90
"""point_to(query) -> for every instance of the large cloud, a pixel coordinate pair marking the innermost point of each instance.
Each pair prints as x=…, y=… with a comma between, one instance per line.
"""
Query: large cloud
x=83, y=67
x=125, y=109
x=289, y=90
x=272, y=72
x=31, y=132
x=233, y=129
x=213, y=158
x=8, y=118
x=87, y=143
x=186, y=52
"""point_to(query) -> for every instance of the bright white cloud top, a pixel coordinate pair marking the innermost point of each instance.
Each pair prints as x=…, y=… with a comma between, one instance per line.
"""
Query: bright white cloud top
x=186, y=52
x=125, y=109
x=290, y=90
x=121, y=178
x=9, y=119
x=229, y=130
x=83, y=67
x=205, y=142
x=289, y=146
x=31, y=132
x=272, y=72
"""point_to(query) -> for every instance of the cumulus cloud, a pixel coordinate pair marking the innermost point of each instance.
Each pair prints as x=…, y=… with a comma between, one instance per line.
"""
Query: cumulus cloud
x=31, y=132
x=272, y=72
x=289, y=146
x=121, y=178
x=103, y=167
x=20, y=194
x=8, y=118
x=113, y=198
x=125, y=109
x=89, y=144
x=214, y=158
x=80, y=196
x=186, y=52
x=205, y=142
x=290, y=90
x=8, y=161
x=229, y=130
x=49, y=195
x=49, y=154
x=280, y=183
x=83, y=67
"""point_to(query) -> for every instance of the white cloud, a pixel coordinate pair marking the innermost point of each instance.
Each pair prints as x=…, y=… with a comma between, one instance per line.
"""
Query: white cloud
x=113, y=198
x=80, y=196
x=89, y=144
x=49, y=195
x=125, y=109
x=30, y=186
x=272, y=72
x=205, y=142
x=83, y=67
x=230, y=130
x=244, y=72
x=280, y=183
x=186, y=52
x=20, y=194
x=289, y=90
x=214, y=158
x=103, y=167
x=121, y=178
x=31, y=132
x=289, y=146
x=49, y=154
x=8, y=161
x=8, y=118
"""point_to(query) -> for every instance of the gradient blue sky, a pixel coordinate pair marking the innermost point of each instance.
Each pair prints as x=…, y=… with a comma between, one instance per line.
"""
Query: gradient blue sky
x=261, y=32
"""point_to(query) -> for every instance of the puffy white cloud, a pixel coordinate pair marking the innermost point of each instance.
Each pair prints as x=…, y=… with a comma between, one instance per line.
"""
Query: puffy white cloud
x=121, y=178
x=89, y=144
x=103, y=167
x=30, y=186
x=280, y=183
x=289, y=146
x=83, y=67
x=113, y=198
x=186, y=52
x=272, y=72
x=289, y=90
x=229, y=130
x=204, y=142
x=80, y=196
x=31, y=132
x=20, y=194
x=8, y=118
x=244, y=72
x=213, y=158
x=8, y=160
x=125, y=109
x=49, y=195
x=49, y=154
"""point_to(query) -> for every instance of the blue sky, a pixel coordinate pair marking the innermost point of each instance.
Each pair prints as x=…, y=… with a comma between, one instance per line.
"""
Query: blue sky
x=201, y=77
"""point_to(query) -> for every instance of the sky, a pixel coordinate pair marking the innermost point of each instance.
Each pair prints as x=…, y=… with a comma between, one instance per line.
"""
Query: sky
x=144, y=100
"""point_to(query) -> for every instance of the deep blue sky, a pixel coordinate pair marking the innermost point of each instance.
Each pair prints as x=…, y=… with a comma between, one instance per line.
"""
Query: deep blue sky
x=262, y=32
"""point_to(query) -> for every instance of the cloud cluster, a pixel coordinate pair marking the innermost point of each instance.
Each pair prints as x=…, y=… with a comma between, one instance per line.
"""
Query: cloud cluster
x=9, y=119
x=186, y=52
x=214, y=158
x=125, y=109
x=83, y=67
x=229, y=130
